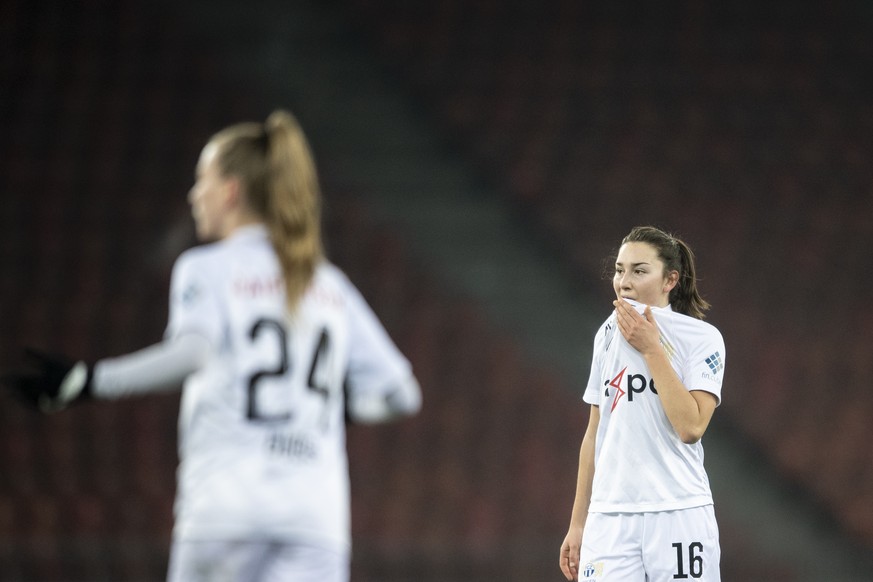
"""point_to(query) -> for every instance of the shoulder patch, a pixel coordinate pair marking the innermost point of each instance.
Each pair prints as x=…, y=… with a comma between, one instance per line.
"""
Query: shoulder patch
x=715, y=363
x=190, y=295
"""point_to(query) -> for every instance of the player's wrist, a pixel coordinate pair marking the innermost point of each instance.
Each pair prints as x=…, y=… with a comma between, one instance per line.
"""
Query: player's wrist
x=654, y=353
x=50, y=383
x=75, y=386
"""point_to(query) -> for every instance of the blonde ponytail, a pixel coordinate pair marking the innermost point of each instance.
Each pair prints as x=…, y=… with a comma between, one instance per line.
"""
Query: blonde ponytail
x=274, y=162
x=293, y=213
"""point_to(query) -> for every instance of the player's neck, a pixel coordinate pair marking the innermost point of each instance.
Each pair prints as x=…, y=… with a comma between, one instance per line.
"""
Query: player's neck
x=238, y=221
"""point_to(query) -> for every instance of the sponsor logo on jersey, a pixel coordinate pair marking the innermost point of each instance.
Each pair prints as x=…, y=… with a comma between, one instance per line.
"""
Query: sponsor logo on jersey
x=715, y=363
x=252, y=287
x=628, y=384
x=325, y=296
x=190, y=295
x=591, y=571
x=616, y=383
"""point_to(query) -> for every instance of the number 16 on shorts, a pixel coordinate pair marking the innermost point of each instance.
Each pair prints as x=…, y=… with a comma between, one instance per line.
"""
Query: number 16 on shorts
x=689, y=561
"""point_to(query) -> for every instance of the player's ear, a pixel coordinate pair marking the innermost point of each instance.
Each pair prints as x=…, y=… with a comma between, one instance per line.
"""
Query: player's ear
x=233, y=191
x=671, y=281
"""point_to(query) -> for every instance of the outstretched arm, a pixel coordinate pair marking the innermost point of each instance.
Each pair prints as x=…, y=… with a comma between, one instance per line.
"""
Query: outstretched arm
x=52, y=383
x=402, y=398
x=160, y=367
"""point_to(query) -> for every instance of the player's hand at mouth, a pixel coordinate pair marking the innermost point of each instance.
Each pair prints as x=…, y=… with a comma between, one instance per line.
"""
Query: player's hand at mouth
x=640, y=330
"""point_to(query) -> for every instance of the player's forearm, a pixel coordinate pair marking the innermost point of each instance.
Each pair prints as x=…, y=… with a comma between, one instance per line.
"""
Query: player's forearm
x=585, y=475
x=584, y=481
x=160, y=367
x=680, y=406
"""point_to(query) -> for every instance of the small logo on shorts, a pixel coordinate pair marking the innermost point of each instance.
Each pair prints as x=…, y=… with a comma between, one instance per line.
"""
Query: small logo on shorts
x=591, y=571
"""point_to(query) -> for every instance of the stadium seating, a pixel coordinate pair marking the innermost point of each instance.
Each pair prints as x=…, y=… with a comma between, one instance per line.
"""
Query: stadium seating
x=106, y=129
x=741, y=128
x=110, y=104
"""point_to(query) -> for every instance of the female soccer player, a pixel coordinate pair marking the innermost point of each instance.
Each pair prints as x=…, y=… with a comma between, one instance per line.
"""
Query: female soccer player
x=643, y=509
x=274, y=346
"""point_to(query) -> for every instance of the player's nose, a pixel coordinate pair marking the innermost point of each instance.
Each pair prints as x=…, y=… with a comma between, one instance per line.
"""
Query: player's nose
x=624, y=281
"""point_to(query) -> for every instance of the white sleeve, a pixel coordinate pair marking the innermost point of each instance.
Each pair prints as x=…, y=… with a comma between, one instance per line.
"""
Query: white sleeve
x=380, y=384
x=191, y=331
x=371, y=408
x=160, y=367
x=194, y=302
x=706, y=365
x=594, y=389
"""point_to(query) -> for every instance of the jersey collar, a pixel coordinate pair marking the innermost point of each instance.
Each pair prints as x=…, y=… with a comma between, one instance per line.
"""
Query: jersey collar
x=642, y=306
x=249, y=232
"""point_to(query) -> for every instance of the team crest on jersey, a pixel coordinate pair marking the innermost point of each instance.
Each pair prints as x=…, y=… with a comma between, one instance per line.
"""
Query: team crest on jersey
x=591, y=571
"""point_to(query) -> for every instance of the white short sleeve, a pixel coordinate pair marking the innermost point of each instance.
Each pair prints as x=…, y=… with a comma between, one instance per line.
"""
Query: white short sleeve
x=375, y=363
x=594, y=391
x=705, y=366
x=193, y=299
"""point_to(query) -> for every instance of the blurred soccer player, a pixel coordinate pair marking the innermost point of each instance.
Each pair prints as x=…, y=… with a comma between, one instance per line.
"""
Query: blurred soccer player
x=274, y=346
x=643, y=509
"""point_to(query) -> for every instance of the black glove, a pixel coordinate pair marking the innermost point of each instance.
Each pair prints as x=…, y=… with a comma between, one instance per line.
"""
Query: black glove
x=52, y=383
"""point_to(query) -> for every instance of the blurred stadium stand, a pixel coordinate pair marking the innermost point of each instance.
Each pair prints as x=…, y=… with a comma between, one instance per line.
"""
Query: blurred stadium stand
x=746, y=129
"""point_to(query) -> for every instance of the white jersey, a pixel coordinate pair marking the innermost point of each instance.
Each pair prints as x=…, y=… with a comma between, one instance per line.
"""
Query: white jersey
x=641, y=464
x=261, y=425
